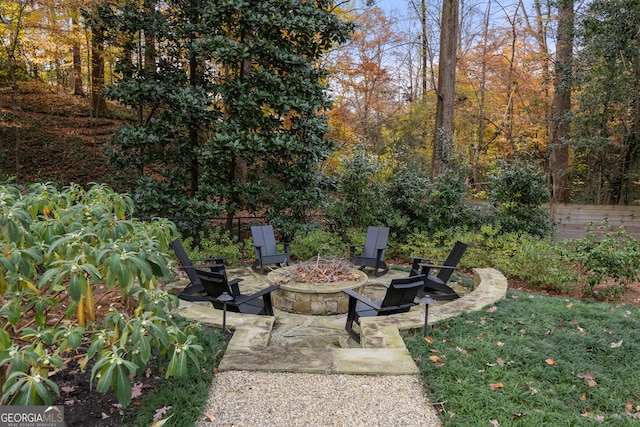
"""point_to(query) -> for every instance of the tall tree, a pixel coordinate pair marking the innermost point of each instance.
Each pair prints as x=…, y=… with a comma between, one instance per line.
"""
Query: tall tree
x=443, y=130
x=561, y=106
x=235, y=111
x=606, y=136
x=362, y=79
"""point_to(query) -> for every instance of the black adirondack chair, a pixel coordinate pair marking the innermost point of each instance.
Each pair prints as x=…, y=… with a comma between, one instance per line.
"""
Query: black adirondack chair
x=216, y=283
x=373, y=251
x=266, y=247
x=436, y=284
x=400, y=297
x=194, y=291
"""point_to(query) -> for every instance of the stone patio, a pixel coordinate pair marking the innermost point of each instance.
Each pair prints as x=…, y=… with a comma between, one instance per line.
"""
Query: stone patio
x=290, y=342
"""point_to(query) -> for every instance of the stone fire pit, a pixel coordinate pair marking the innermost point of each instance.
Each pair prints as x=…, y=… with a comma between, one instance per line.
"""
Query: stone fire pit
x=314, y=296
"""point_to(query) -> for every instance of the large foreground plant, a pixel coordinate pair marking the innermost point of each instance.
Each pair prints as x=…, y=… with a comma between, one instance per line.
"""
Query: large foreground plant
x=59, y=245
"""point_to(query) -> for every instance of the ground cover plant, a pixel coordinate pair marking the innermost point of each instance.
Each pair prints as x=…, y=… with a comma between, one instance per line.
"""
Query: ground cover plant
x=535, y=360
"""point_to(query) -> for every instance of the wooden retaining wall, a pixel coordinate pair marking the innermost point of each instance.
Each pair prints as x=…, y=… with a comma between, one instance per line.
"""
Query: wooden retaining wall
x=572, y=220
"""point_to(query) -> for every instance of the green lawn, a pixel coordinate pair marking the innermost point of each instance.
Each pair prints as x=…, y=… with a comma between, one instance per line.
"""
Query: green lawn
x=535, y=360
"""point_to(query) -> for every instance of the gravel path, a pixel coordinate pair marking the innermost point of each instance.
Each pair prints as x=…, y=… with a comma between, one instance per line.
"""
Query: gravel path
x=241, y=398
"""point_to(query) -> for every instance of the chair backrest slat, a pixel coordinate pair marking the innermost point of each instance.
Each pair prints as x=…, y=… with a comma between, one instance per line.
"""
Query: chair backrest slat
x=264, y=237
x=452, y=261
x=185, y=261
x=377, y=238
x=402, y=292
x=213, y=282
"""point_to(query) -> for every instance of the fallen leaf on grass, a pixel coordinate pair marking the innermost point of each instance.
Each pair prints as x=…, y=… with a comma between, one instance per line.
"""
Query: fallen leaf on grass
x=616, y=344
x=495, y=423
x=495, y=386
x=550, y=361
x=429, y=340
x=589, y=378
x=501, y=361
x=492, y=309
x=532, y=389
x=161, y=422
x=160, y=412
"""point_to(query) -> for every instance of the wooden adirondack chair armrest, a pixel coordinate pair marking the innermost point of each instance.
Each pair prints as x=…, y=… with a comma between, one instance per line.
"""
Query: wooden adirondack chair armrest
x=352, y=249
x=233, y=284
x=362, y=299
x=258, y=294
x=217, y=260
x=430, y=266
x=201, y=266
x=430, y=260
x=426, y=268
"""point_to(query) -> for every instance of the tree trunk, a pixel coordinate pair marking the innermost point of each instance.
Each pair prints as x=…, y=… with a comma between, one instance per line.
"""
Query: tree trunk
x=477, y=148
x=443, y=130
x=98, y=103
x=149, y=39
x=561, y=106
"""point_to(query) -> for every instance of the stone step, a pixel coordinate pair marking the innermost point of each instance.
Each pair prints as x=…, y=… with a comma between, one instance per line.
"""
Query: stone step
x=361, y=361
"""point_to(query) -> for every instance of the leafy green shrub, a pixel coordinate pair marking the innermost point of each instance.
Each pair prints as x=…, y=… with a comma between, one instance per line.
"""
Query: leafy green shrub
x=517, y=191
x=56, y=242
x=216, y=243
x=604, y=254
x=359, y=199
x=539, y=261
x=317, y=242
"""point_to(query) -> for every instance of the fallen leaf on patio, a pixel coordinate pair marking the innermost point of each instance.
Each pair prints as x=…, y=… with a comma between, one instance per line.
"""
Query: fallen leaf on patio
x=616, y=344
x=429, y=340
x=550, y=361
x=210, y=417
x=495, y=386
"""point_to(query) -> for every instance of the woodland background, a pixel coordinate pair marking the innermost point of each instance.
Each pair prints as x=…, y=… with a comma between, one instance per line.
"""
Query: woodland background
x=552, y=84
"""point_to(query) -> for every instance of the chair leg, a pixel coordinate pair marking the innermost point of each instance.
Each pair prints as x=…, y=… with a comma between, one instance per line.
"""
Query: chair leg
x=268, y=306
x=383, y=267
x=351, y=317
